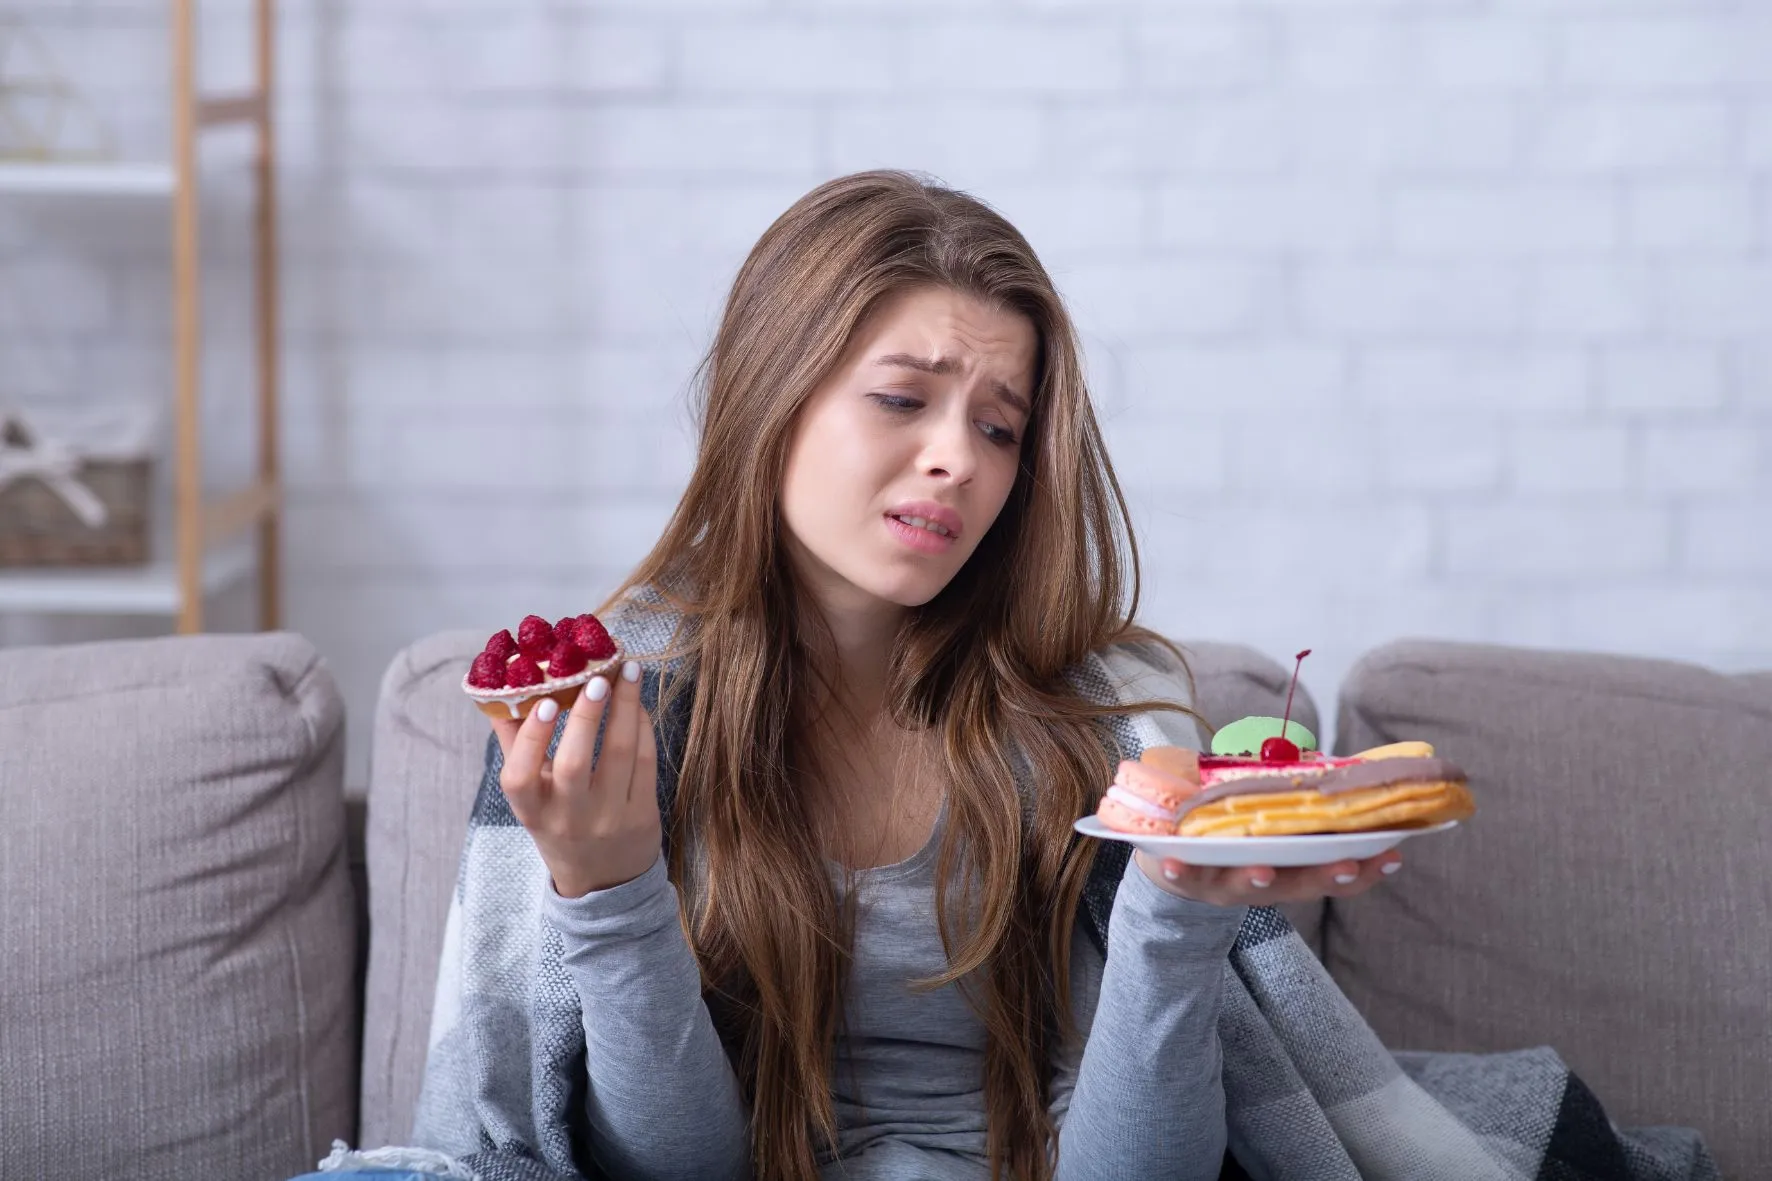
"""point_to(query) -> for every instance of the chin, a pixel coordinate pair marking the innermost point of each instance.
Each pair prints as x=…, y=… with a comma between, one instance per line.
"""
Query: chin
x=903, y=590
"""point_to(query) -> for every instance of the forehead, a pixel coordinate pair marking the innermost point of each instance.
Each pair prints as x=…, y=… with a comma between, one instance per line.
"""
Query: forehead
x=938, y=323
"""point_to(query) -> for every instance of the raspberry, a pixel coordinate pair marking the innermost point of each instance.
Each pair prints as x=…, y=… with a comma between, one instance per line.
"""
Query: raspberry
x=535, y=637
x=588, y=633
x=488, y=671
x=566, y=659
x=573, y=629
x=522, y=672
x=563, y=626
x=503, y=647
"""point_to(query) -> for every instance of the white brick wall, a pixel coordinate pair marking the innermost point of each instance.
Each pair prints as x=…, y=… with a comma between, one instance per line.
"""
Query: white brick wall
x=1464, y=311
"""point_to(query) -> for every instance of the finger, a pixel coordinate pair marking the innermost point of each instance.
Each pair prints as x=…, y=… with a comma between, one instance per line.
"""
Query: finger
x=615, y=757
x=1373, y=870
x=643, y=793
x=578, y=744
x=1308, y=883
x=1340, y=878
x=1197, y=880
x=1257, y=877
x=529, y=748
x=505, y=730
x=630, y=717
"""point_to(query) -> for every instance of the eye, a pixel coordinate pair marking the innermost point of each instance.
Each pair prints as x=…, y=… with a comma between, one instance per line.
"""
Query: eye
x=898, y=405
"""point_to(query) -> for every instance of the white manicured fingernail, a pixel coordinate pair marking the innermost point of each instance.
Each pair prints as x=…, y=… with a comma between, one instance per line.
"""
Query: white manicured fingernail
x=630, y=671
x=1345, y=879
x=598, y=689
x=1170, y=872
x=548, y=710
x=1393, y=867
x=1261, y=883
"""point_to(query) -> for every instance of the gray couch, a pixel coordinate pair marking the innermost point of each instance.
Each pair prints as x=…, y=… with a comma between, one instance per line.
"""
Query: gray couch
x=212, y=963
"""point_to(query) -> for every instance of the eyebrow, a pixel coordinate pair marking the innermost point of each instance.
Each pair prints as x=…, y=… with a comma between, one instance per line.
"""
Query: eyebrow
x=945, y=365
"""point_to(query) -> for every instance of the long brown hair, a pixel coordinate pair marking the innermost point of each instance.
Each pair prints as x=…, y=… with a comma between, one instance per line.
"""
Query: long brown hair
x=982, y=663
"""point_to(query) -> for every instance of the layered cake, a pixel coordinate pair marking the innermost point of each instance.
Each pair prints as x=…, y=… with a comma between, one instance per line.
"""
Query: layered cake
x=1257, y=781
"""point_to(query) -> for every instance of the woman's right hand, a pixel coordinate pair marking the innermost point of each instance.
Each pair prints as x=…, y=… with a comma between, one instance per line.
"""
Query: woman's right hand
x=594, y=827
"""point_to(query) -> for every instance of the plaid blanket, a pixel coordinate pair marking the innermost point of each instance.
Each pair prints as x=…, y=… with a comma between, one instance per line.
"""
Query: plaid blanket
x=1311, y=1094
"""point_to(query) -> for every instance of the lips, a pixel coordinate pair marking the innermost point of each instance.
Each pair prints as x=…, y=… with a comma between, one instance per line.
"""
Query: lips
x=928, y=510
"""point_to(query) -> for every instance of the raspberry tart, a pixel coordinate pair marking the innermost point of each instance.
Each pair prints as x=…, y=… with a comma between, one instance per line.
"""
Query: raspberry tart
x=512, y=674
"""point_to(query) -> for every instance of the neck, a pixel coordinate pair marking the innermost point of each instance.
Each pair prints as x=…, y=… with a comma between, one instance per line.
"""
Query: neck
x=862, y=655
x=865, y=761
x=862, y=629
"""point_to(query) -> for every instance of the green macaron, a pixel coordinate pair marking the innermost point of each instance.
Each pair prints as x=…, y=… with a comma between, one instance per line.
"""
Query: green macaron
x=1245, y=736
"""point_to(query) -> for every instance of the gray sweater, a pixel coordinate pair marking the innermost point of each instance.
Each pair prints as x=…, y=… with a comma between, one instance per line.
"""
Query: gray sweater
x=1144, y=1097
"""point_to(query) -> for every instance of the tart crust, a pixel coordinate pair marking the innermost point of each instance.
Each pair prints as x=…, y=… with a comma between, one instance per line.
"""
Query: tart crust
x=516, y=703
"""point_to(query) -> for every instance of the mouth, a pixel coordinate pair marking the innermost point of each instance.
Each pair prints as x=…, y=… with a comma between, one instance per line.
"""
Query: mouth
x=916, y=522
x=920, y=533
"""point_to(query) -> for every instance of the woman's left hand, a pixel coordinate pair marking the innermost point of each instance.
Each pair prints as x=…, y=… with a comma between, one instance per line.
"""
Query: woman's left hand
x=1262, y=885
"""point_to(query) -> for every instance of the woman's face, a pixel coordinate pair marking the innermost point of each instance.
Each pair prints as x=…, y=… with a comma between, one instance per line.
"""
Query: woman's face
x=922, y=418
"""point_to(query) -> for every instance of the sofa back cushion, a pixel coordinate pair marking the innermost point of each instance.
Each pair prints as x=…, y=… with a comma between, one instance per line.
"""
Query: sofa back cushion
x=425, y=767
x=179, y=940
x=429, y=748
x=1609, y=899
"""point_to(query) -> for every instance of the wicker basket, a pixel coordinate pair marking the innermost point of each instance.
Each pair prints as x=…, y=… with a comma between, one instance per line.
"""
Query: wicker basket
x=38, y=527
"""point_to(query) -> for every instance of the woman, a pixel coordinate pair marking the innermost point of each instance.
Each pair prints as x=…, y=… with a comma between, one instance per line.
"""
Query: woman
x=902, y=528
x=901, y=535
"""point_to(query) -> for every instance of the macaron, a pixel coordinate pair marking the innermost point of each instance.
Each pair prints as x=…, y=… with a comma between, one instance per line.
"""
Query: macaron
x=1398, y=750
x=1146, y=796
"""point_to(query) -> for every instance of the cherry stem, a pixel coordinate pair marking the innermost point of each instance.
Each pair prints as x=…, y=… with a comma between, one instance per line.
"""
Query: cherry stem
x=1298, y=661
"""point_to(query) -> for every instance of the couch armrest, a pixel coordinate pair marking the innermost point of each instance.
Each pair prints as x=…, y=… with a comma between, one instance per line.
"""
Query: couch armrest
x=1609, y=898
x=174, y=869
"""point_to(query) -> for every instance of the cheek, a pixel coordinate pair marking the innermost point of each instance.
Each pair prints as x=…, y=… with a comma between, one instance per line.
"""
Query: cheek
x=1004, y=471
x=852, y=456
x=1002, y=474
x=830, y=472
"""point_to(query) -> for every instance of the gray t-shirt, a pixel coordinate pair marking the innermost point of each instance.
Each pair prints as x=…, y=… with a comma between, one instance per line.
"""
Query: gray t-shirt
x=1143, y=1099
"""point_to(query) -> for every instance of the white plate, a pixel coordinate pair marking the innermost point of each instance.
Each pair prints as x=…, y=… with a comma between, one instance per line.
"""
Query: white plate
x=1315, y=849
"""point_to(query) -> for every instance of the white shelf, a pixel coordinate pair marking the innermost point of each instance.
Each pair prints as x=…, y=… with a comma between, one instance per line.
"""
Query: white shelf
x=126, y=590
x=87, y=180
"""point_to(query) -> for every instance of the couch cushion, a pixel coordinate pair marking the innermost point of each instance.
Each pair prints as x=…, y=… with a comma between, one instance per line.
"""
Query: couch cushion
x=1235, y=681
x=178, y=933
x=1610, y=898
x=425, y=764
x=425, y=769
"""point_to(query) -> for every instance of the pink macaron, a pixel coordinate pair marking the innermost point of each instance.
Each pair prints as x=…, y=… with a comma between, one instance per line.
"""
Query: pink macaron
x=1147, y=796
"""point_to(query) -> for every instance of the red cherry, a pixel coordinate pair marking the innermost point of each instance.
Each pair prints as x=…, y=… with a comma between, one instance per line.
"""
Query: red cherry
x=1279, y=750
x=1281, y=756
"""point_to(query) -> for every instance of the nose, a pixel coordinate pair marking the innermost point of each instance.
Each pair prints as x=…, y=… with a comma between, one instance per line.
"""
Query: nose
x=951, y=447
